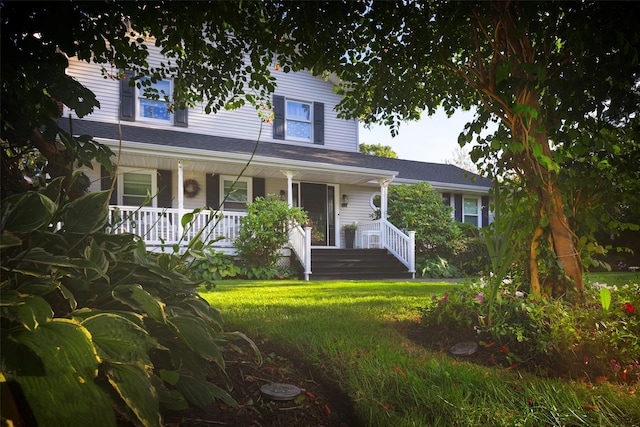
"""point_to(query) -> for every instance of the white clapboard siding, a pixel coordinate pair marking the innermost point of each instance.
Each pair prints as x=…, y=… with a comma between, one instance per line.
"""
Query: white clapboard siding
x=359, y=208
x=242, y=123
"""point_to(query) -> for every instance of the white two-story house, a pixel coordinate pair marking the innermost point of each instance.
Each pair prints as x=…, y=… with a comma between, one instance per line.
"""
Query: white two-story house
x=307, y=156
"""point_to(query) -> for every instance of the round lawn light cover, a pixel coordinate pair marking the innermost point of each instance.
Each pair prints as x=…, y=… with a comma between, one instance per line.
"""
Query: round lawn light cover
x=465, y=348
x=280, y=391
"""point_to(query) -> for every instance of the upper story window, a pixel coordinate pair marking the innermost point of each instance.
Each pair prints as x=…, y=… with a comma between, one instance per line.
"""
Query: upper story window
x=298, y=120
x=235, y=196
x=152, y=109
x=471, y=210
x=136, y=186
x=137, y=105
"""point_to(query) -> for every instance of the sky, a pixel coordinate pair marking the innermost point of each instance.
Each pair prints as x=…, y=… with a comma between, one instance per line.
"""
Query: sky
x=432, y=139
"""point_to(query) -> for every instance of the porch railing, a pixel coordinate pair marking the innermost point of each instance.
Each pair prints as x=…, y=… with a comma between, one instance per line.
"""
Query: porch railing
x=161, y=226
x=390, y=237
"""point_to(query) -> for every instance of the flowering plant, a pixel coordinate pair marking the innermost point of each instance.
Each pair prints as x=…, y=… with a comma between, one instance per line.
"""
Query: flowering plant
x=350, y=227
x=603, y=334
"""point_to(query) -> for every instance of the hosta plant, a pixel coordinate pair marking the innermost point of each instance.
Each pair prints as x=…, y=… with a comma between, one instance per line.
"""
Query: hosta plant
x=95, y=330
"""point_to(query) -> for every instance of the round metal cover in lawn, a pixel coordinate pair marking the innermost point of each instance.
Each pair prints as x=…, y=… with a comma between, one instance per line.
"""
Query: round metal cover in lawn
x=465, y=348
x=280, y=391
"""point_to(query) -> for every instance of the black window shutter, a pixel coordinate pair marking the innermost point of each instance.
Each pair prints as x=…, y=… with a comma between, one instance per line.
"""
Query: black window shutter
x=278, y=117
x=164, y=188
x=458, y=207
x=485, y=211
x=127, y=98
x=105, y=184
x=258, y=188
x=181, y=118
x=446, y=199
x=318, y=123
x=212, y=183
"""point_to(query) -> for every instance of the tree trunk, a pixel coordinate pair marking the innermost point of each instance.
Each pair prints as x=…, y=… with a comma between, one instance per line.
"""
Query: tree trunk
x=544, y=182
x=519, y=108
x=533, y=264
x=563, y=238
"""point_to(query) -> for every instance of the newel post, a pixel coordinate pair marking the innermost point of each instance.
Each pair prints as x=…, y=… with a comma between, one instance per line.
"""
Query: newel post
x=307, y=253
x=412, y=253
x=180, y=198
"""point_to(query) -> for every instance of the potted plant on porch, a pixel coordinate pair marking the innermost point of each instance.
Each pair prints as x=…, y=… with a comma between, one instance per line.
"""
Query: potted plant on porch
x=350, y=234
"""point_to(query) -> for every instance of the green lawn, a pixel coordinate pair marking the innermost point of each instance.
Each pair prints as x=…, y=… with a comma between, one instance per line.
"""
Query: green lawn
x=349, y=327
x=617, y=278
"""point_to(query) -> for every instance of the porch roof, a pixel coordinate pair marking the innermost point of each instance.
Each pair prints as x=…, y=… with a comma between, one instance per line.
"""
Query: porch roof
x=285, y=156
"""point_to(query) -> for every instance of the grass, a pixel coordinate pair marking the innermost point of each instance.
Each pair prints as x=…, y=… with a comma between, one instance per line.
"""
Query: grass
x=617, y=278
x=350, y=328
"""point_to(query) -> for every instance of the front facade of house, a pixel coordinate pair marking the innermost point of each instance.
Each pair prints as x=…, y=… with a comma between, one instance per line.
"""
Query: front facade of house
x=308, y=157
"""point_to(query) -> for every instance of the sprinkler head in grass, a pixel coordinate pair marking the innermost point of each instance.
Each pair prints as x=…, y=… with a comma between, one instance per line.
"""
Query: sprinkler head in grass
x=280, y=391
x=466, y=348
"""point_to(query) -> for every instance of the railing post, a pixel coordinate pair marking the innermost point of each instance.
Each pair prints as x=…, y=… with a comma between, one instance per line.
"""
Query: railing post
x=180, y=199
x=412, y=253
x=383, y=233
x=307, y=253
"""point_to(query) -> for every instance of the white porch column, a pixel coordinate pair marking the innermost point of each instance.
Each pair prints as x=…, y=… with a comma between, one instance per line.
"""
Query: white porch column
x=384, y=186
x=180, y=198
x=289, y=175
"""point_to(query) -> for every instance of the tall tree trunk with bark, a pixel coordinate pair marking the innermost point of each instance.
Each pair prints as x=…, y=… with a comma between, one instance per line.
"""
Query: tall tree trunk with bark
x=545, y=184
x=518, y=107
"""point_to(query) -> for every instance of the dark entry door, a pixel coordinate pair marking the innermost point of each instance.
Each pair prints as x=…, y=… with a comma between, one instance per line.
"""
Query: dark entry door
x=317, y=201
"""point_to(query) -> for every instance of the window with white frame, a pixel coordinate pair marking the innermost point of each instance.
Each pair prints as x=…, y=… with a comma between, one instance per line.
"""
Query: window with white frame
x=235, y=193
x=135, y=186
x=471, y=210
x=151, y=109
x=298, y=120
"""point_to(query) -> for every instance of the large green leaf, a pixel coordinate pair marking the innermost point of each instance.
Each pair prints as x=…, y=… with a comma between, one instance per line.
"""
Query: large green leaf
x=170, y=400
x=204, y=310
x=117, y=339
x=203, y=393
x=199, y=336
x=136, y=297
x=42, y=257
x=53, y=189
x=85, y=313
x=29, y=310
x=9, y=239
x=67, y=395
x=133, y=384
x=27, y=212
x=87, y=214
x=98, y=261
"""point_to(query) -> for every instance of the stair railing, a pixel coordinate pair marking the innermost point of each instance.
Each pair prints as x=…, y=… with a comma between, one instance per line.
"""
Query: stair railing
x=300, y=242
x=401, y=245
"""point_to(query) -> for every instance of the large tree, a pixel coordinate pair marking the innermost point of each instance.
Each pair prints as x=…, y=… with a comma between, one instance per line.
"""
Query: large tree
x=378, y=150
x=214, y=52
x=551, y=74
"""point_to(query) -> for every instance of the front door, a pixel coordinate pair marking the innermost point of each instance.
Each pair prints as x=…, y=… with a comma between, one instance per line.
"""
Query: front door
x=318, y=201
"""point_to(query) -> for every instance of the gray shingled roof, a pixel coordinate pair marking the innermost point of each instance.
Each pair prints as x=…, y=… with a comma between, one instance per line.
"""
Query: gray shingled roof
x=408, y=169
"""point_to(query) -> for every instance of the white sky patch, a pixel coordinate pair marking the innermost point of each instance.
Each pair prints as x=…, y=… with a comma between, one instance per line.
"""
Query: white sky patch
x=432, y=139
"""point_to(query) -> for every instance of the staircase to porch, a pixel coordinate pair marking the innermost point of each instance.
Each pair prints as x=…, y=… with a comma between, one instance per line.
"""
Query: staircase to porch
x=356, y=264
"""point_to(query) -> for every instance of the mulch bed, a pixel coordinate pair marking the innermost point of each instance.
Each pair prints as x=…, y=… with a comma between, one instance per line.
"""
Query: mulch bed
x=322, y=402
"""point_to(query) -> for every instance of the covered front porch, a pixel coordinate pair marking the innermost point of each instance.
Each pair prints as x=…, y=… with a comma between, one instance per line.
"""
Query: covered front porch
x=163, y=229
x=211, y=188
